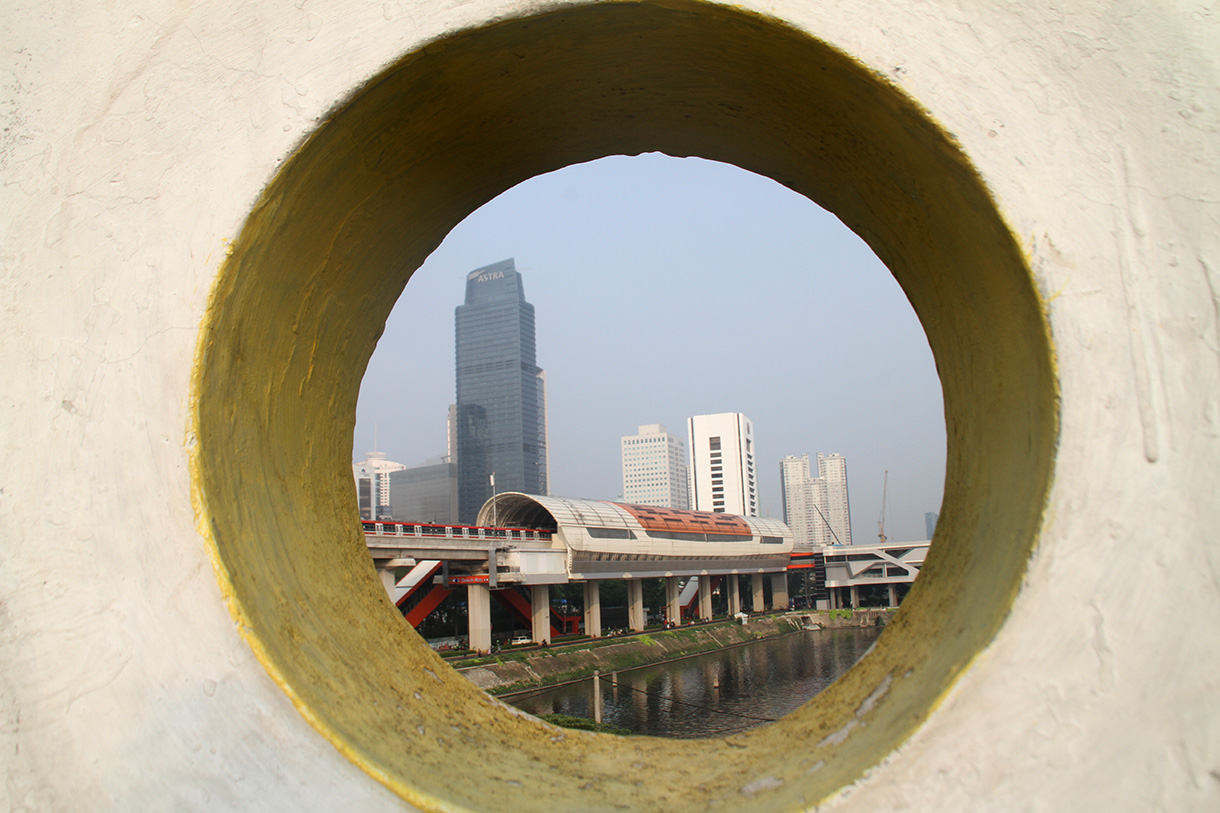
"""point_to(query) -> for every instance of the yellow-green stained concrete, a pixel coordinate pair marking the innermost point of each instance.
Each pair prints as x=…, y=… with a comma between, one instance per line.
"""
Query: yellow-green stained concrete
x=375, y=188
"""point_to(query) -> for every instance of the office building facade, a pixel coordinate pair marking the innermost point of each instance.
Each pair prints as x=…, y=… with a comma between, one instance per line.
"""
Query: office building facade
x=425, y=494
x=723, y=474
x=655, y=468
x=500, y=415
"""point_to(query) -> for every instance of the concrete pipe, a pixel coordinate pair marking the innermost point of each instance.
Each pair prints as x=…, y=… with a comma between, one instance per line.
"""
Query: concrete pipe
x=211, y=208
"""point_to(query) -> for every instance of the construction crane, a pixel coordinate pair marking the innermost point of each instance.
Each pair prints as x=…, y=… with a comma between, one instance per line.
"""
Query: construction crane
x=885, y=484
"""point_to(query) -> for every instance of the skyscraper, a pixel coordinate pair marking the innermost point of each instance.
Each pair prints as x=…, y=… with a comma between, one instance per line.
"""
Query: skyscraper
x=799, y=513
x=929, y=521
x=373, y=484
x=501, y=392
x=654, y=468
x=722, y=463
x=832, y=470
x=426, y=493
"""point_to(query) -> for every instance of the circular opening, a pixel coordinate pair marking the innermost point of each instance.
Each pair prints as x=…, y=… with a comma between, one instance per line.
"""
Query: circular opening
x=299, y=304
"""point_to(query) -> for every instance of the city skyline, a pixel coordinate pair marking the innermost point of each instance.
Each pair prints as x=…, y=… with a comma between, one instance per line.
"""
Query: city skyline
x=667, y=288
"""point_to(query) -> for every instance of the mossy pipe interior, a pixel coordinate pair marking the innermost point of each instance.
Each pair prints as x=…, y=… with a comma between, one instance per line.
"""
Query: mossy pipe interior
x=335, y=237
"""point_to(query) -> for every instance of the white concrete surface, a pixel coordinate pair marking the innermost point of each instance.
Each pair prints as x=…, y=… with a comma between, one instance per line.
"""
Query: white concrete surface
x=135, y=139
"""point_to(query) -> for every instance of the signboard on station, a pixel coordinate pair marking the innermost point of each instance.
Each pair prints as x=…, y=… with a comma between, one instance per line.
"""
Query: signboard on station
x=478, y=578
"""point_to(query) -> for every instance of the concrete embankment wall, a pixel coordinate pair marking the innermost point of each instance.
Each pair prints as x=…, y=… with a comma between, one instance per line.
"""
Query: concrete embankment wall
x=513, y=671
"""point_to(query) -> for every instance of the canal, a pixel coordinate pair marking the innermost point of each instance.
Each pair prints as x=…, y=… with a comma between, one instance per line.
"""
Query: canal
x=714, y=694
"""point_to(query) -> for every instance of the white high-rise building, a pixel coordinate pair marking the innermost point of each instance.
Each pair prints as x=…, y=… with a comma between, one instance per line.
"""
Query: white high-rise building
x=799, y=513
x=373, y=484
x=822, y=533
x=654, y=468
x=832, y=470
x=723, y=474
x=816, y=508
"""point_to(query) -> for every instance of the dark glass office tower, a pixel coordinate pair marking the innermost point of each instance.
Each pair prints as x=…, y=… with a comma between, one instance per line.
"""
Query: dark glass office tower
x=501, y=395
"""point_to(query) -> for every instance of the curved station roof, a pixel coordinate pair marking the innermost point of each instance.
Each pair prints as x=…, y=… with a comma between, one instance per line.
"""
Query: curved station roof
x=517, y=510
x=615, y=540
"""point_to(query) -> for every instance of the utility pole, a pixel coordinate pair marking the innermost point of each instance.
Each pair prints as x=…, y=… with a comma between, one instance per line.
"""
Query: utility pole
x=881, y=522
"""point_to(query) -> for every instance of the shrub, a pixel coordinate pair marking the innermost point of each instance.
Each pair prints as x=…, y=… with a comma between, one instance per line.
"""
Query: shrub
x=584, y=724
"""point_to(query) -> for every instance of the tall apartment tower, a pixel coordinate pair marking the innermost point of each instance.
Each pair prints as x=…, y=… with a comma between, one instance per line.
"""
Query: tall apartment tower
x=654, y=468
x=501, y=392
x=816, y=508
x=798, y=492
x=832, y=470
x=723, y=475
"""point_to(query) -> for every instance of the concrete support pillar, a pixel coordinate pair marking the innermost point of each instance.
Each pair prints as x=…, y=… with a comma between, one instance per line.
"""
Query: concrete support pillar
x=388, y=582
x=478, y=610
x=540, y=604
x=597, y=696
x=893, y=589
x=855, y=597
x=593, y=609
x=756, y=587
x=734, y=594
x=779, y=591
x=705, y=598
x=673, y=600
x=635, y=605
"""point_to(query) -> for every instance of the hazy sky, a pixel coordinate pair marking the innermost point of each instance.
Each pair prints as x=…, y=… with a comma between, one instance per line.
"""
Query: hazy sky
x=666, y=288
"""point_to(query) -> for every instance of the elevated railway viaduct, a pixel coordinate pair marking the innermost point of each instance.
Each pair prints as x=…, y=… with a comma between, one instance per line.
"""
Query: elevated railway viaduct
x=591, y=541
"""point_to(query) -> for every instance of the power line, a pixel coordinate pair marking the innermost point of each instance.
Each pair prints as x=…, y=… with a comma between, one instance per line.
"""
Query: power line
x=829, y=527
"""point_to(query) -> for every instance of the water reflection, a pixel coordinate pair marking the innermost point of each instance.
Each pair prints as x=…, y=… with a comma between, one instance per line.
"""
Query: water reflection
x=716, y=694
